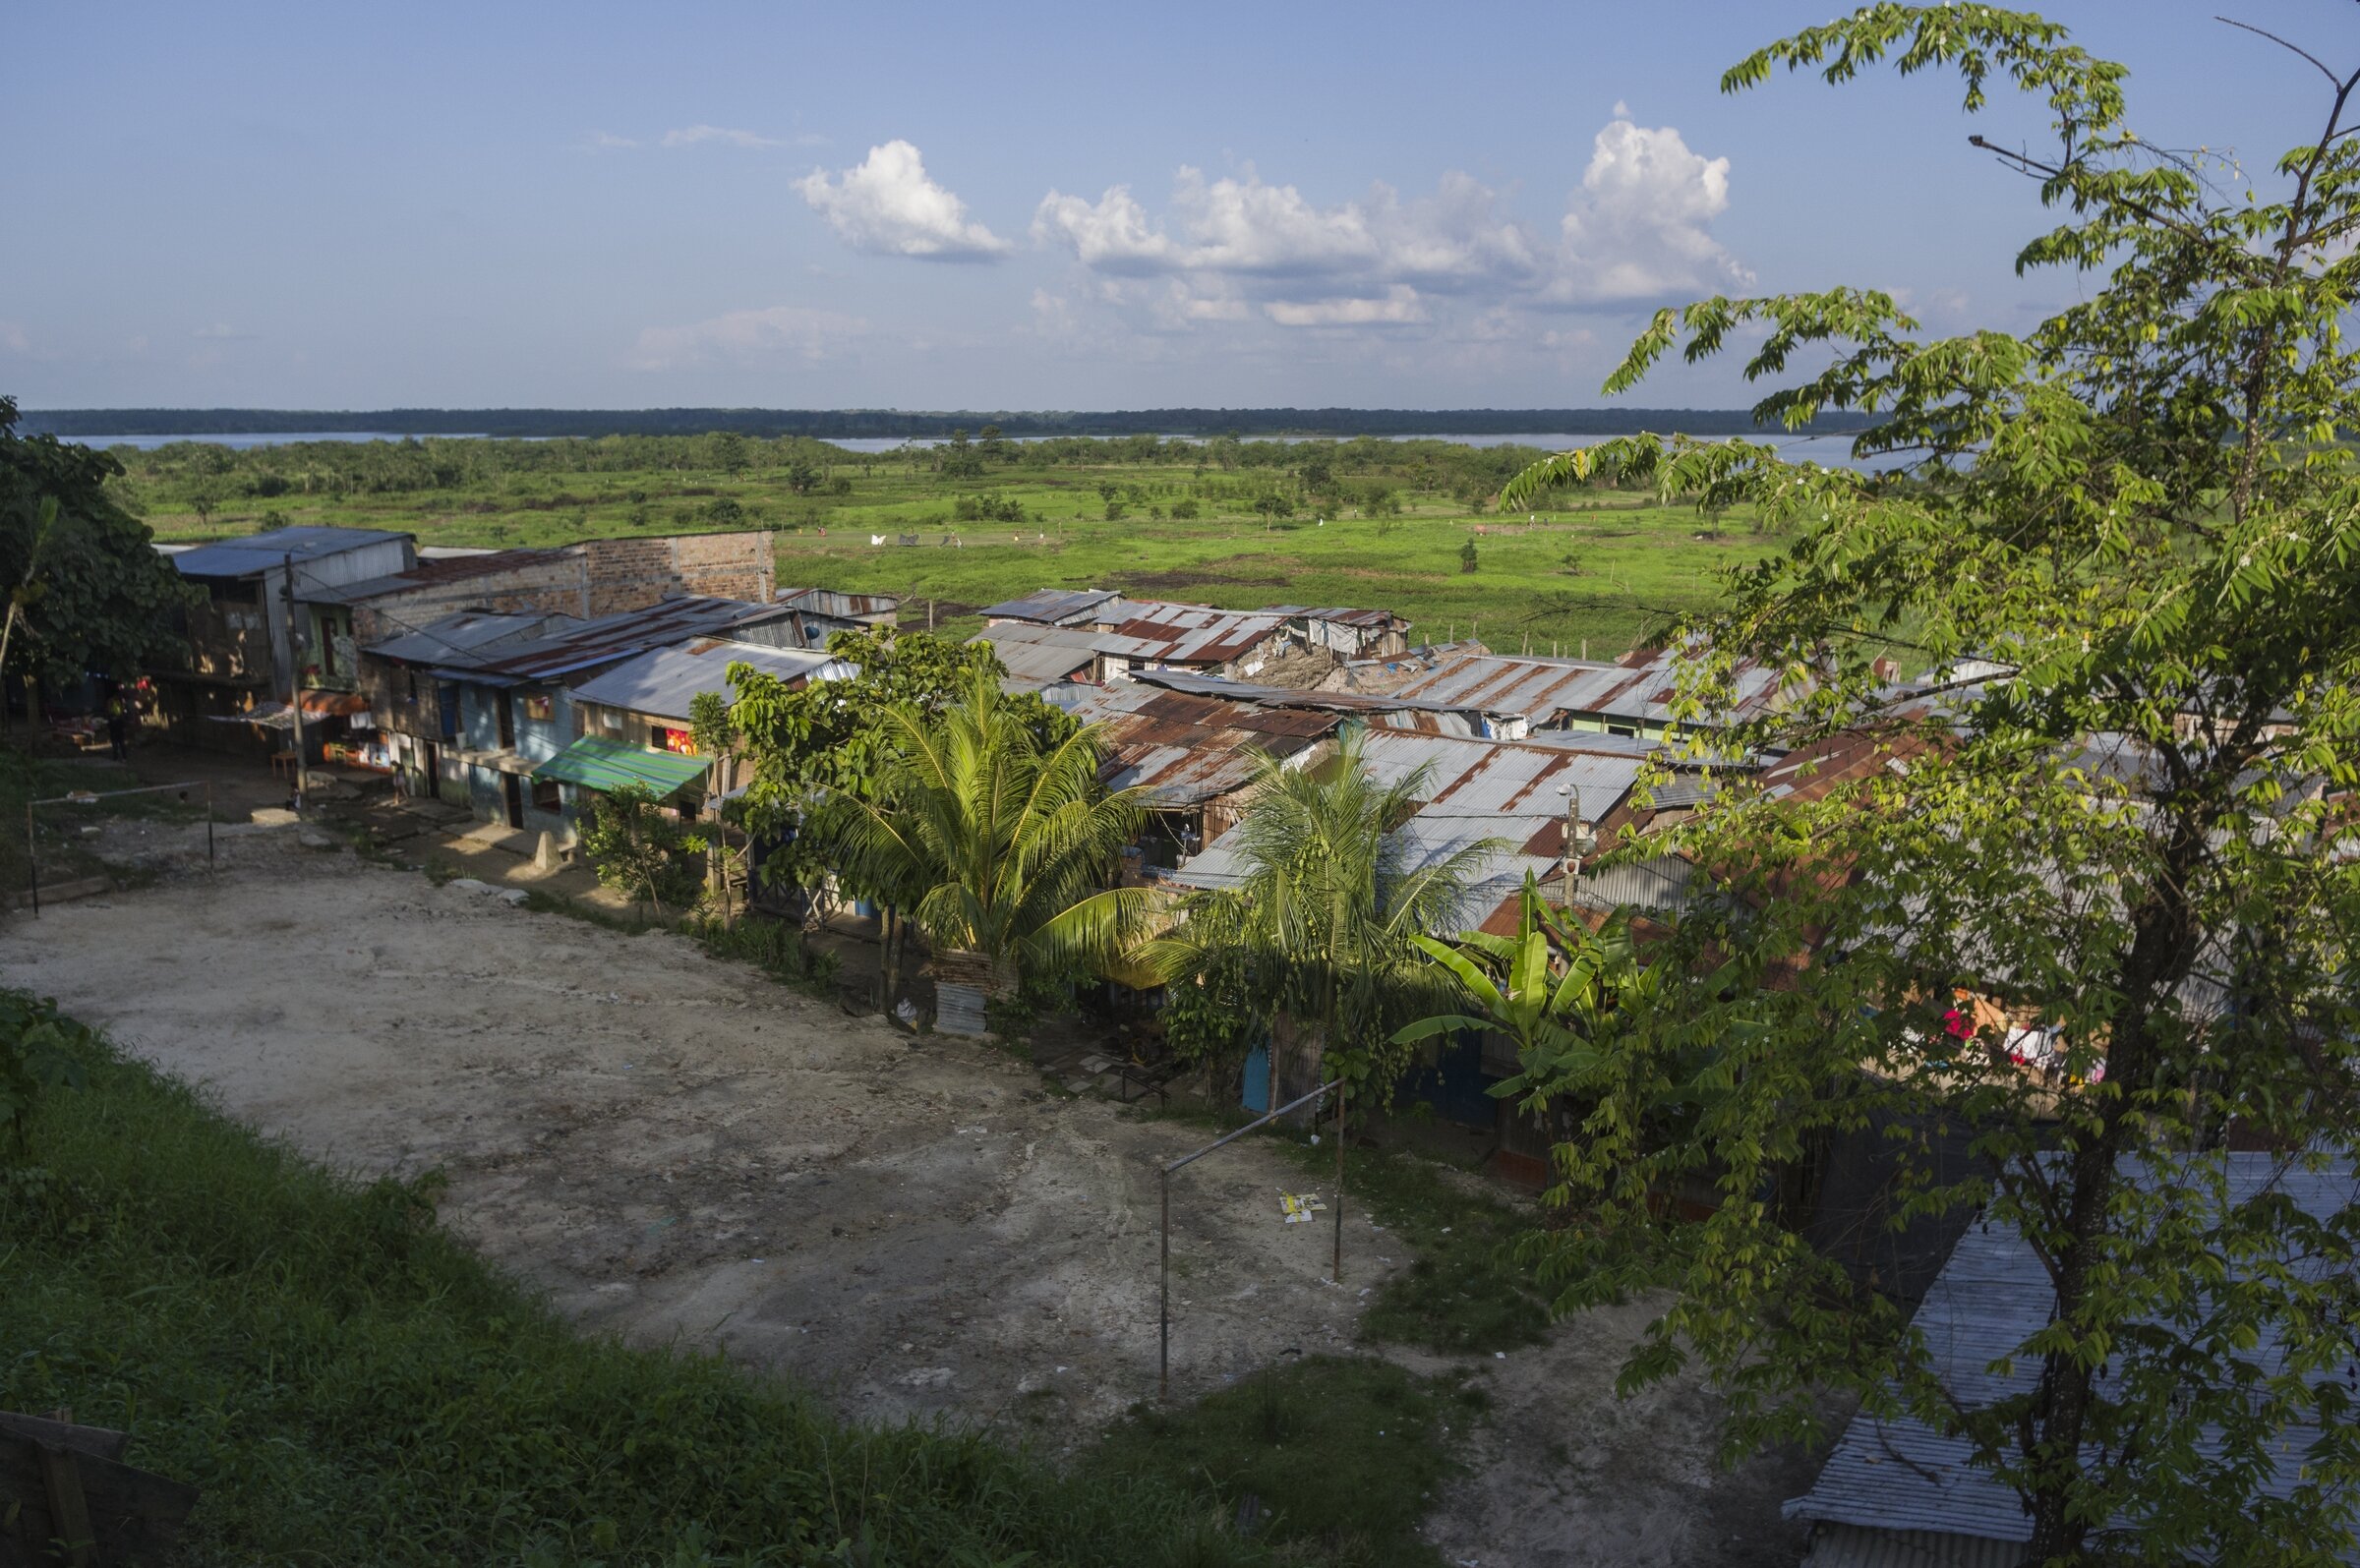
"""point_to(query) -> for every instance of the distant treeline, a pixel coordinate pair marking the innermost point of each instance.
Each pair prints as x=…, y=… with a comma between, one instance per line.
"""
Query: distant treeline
x=856, y=423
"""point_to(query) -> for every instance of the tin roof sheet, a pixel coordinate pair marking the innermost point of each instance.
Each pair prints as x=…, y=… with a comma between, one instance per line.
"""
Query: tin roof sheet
x=259, y=552
x=612, y=638
x=1639, y=689
x=1196, y=634
x=1052, y=606
x=1990, y=1298
x=457, y=635
x=1186, y=749
x=665, y=681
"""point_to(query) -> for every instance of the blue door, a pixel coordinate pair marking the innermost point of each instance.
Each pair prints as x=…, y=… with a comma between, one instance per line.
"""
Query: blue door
x=1257, y=1080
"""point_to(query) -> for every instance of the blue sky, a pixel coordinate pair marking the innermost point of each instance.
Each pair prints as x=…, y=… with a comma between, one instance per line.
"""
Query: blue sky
x=1024, y=206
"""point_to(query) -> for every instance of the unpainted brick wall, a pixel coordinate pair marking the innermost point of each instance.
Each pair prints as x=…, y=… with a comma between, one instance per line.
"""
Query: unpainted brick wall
x=557, y=586
x=632, y=573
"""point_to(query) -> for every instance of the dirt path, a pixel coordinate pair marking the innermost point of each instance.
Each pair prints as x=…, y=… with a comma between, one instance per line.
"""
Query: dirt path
x=676, y=1149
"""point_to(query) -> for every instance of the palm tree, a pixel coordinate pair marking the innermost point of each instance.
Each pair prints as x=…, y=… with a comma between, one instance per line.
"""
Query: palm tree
x=997, y=839
x=1326, y=918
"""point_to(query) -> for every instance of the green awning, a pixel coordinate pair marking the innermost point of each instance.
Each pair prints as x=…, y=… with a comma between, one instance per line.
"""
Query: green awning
x=596, y=763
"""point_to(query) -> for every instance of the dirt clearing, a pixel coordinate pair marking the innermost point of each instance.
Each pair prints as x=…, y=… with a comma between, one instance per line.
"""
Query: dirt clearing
x=677, y=1151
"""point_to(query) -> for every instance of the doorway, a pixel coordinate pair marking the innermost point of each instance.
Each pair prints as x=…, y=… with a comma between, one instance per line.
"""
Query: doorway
x=511, y=789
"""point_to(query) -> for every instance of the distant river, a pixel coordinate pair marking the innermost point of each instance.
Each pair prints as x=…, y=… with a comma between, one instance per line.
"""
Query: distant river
x=1831, y=450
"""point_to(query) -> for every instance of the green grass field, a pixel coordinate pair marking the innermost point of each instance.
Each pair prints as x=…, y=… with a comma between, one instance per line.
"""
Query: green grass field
x=1602, y=571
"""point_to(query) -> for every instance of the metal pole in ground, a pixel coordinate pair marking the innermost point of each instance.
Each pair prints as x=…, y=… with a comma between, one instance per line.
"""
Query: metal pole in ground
x=1163, y=1350
x=33, y=863
x=1336, y=1273
x=209, y=822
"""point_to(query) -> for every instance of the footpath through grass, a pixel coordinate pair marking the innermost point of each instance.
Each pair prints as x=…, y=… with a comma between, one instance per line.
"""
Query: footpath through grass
x=346, y=1383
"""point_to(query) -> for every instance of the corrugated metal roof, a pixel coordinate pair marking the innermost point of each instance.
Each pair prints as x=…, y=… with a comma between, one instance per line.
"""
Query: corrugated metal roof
x=597, y=762
x=430, y=573
x=1188, y=749
x=259, y=552
x=1850, y=1546
x=612, y=638
x=1638, y=690
x=1037, y=656
x=1052, y=606
x=664, y=682
x=1362, y=703
x=1990, y=1298
x=1377, y=620
x=1193, y=635
x=453, y=635
x=837, y=604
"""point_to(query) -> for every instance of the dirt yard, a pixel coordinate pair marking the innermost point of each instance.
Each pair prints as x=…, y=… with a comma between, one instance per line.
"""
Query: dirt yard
x=676, y=1150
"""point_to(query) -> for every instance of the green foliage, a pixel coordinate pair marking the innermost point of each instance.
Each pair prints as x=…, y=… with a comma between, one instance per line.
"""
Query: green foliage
x=2147, y=510
x=86, y=591
x=640, y=846
x=829, y=739
x=774, y=947
x=997, y=839
x=1345, y=1453
x=1324, y=927
x=39, y=1055
x=345, y=1383
x=1467, y=560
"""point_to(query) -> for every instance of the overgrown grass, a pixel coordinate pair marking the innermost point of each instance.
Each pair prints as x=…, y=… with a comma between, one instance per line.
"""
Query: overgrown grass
x=1340, y=1455
x=774, y=947
x=1467, y=1292
x=25, y=778
x=348, y=1384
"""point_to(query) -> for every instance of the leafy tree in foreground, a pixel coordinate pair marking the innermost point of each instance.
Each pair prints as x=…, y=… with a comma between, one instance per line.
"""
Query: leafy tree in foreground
x=2148, y=508
x=640, y=848
x=86, y=591
x=1320, y=937
x=996, y=841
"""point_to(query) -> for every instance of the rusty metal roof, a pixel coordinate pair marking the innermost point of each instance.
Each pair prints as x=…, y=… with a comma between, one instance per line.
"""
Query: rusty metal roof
x=1363, y=704
x=1195, y=634
x=1188, y=749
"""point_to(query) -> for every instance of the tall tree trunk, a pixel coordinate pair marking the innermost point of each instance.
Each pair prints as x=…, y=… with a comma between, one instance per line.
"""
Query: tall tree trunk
x=2163, y=953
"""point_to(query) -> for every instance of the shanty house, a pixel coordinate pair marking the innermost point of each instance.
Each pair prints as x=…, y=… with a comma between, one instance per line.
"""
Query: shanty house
x=633, y=723
x=248, y=647
x=1038, y=657
x=1347, y=633
x=506, y=706
x=822, y=613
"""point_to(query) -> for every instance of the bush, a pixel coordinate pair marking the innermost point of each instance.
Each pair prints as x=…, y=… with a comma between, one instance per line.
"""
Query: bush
x=639, y=848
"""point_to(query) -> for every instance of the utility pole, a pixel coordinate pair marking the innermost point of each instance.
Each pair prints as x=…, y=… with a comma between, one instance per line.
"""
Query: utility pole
x=294, y=676
x=1580, y=839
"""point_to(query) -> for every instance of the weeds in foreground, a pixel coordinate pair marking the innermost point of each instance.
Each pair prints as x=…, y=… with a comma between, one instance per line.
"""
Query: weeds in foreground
x=1335, y=1456
x=346, y=1383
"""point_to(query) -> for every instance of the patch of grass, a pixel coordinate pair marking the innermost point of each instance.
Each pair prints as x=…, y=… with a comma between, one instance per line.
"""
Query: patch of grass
x=56, y=829
x=774, y=947
x=1343, y=1454
x=1467, y=1292
x=346, y=1383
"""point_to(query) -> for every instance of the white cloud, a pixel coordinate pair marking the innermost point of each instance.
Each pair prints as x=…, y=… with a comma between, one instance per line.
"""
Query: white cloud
x=1400, y=307
x=1637, y=229
x=12, y=338
x=602, y=141
x=691, y=136
x=780, y=331
x=887, y=204
x=221, y=332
